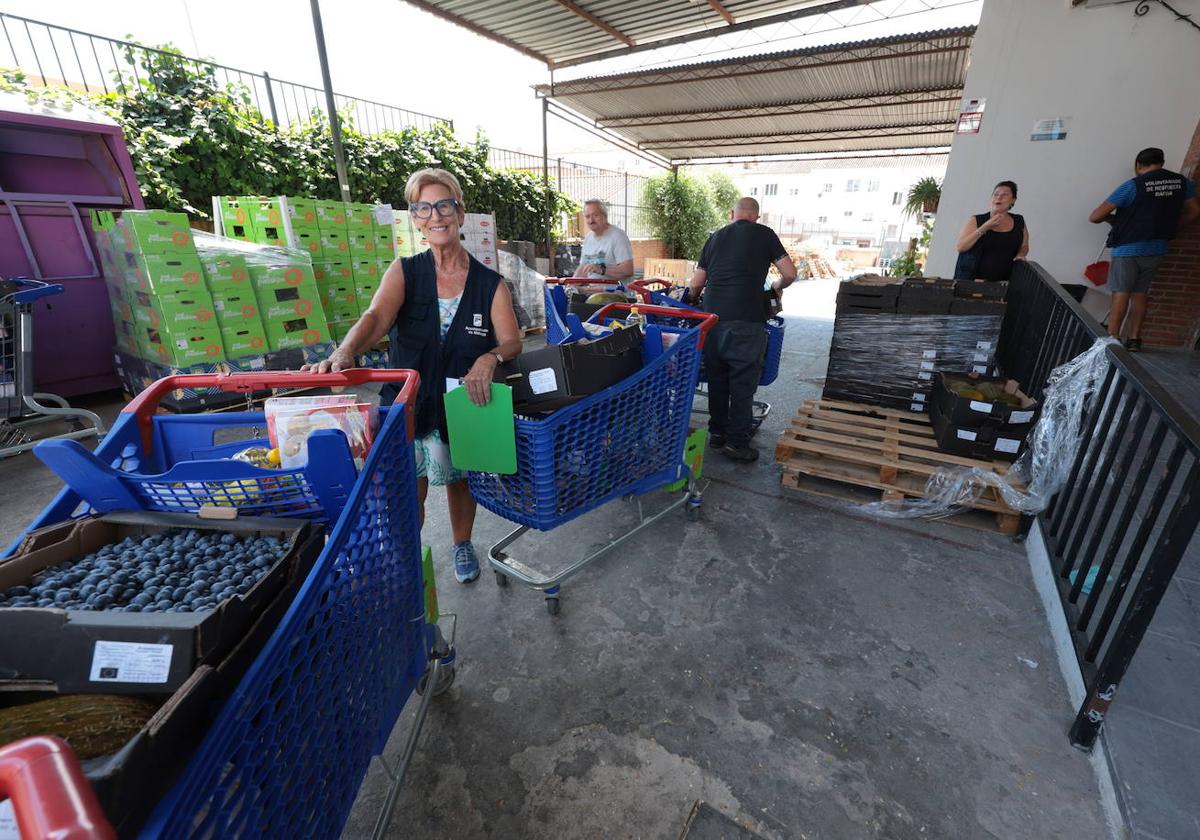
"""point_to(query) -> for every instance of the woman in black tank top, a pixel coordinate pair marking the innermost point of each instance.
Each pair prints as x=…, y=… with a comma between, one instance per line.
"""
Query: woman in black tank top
x=989, y=242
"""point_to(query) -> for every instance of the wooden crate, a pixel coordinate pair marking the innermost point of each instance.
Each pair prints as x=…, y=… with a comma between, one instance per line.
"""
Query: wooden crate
x=677, y=271
x=839, y=448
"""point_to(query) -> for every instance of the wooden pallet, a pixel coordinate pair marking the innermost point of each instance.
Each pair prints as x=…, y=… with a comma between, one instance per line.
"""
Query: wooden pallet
x=528, y=331
x=839, y=448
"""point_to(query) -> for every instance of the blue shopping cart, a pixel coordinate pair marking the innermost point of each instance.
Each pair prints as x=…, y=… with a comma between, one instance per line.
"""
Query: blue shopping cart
x=627, y=440
x=290, y=747
x=656, y=292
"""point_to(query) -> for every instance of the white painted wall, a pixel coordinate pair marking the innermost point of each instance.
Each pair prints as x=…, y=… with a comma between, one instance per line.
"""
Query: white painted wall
x=1126, y=82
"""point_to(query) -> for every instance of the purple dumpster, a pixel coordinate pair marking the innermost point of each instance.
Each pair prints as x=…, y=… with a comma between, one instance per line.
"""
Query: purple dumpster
x=55, y=165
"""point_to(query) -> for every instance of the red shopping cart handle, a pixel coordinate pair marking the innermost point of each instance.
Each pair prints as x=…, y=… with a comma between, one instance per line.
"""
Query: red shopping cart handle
x=40, y=776
x=145, y=404
x=707, y=319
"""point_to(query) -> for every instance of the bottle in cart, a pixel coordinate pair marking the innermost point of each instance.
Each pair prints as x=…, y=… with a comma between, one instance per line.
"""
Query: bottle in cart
x=635, y=319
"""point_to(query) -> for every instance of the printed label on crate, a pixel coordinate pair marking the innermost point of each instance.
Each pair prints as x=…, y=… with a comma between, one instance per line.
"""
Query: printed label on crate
x=131, y=662
x=985, y=345
x=1007, y=445
x=543, y=381
x=916, y=407
x=984, y=407
x=982, y=369
x=925, y=375
x=918, y=396
x=929, y=354
x=926, y=365
x=1020, y=417
x=966, y=434
x=8, y=822
x=982, y=357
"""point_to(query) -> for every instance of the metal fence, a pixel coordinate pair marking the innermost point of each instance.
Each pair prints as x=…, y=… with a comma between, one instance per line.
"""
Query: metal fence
x=60, y=56
x=1118, y=529
x=621, y=191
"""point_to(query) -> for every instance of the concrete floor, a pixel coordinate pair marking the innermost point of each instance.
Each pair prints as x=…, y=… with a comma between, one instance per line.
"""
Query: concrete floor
x=800, y=669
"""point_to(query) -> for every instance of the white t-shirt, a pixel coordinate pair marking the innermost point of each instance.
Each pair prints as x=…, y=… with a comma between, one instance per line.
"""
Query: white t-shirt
x=609, y=248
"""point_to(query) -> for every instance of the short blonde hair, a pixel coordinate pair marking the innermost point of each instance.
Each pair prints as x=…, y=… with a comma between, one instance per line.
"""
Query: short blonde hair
x=424, y=177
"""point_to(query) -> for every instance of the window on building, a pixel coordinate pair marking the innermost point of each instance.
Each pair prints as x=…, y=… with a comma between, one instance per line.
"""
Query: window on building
x=868, y=217
x=892, y=230
x=822, y=219
x=848, y=213
x=754, y=191
x=828, y=188
x=897, y=198
x=853, y=185
x=873, y=185
x=771, y=189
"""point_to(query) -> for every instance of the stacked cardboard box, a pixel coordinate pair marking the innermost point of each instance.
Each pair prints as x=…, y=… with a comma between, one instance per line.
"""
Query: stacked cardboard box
x=981, y=417
x=161, y=305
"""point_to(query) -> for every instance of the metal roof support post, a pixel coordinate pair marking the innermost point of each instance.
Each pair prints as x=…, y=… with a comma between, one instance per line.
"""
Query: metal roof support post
x=546, y=183
x=271, y=100
x=335, y=125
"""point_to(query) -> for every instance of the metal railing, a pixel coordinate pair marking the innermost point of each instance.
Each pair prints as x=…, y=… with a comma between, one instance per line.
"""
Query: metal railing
x=1119, y=527
x=621, y=191
x=53, y=55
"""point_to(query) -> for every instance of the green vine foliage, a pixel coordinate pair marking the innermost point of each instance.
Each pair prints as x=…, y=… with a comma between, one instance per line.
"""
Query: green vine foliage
x=682, y=210
x=191, y=138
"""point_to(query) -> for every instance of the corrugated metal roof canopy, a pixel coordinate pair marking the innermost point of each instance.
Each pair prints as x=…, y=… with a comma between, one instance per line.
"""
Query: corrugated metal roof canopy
x=900, y=92
x=565, y=32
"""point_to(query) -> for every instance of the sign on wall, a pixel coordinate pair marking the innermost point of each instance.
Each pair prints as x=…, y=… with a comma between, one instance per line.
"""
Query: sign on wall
x=1054, y=128
x=970, y=119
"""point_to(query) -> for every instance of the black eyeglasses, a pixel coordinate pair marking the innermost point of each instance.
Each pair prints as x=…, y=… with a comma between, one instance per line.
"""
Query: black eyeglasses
x=424, y=209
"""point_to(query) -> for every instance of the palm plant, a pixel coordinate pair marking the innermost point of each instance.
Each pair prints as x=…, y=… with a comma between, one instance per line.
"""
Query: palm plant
x=923, y=197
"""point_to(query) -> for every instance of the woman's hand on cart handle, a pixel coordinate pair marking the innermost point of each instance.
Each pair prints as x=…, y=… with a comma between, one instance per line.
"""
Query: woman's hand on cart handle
x=478, y=380
x=337, y=361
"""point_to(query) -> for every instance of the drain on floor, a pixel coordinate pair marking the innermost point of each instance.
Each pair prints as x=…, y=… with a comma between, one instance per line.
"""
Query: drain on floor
x=707, y=823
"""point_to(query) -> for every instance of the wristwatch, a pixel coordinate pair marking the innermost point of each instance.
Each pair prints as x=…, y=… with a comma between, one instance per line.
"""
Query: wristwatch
x=499, y=358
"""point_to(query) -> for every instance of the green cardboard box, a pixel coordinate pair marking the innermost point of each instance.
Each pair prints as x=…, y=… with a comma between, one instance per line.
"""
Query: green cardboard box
x=309, y=241
x=334, y=292
x=297, y=332
x=302, y=212
x=156, y=232
x=175, y=311
x=335, y=244
x=364, y=293
x=236, y=217
x=366, y=271
x=244, y=339
x=287, y=303
x=360, y=217
x=331, y=215
x=190, y=346
x=338, y=330
x=237, y=308
x=296, y=275
x=339, y=271
x=165, y=272
x=226, y=274
x=362, y=243
x=341, y=310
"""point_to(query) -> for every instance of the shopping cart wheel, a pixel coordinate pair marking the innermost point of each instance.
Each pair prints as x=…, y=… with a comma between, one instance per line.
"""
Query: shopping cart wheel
x=501, y=579
x=552, y=604
x=445, y=679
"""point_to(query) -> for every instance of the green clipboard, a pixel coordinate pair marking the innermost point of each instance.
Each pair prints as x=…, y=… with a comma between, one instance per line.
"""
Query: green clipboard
x=482, y=438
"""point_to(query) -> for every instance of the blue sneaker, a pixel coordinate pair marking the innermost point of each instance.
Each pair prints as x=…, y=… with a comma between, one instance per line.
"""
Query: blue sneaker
x=466, y=567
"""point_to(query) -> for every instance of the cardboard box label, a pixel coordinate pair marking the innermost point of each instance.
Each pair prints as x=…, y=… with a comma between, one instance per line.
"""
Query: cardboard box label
x=980, y=369
x=918, y=396
x=982, y=407
x=131, y=662
x=966, y=434
x=929, y=354
x=543, y=381
x=925, y=375
x=984, y=345
x=1007, y=445
x=982, y=357
x=926, y=365
x=916, y=407
x=1020, y=417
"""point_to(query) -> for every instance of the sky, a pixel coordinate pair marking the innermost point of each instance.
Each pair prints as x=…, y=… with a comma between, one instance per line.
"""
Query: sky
x=393, y=53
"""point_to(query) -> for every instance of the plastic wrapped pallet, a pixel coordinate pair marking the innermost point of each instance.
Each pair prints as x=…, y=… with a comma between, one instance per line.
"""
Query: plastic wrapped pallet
x=526, y=287
x=891, y=359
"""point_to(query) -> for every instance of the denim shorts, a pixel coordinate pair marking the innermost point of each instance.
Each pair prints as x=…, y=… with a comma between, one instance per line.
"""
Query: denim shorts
x=1132, y=275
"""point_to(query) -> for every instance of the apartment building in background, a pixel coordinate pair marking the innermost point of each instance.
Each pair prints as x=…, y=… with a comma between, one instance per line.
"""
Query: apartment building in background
x=831, y=204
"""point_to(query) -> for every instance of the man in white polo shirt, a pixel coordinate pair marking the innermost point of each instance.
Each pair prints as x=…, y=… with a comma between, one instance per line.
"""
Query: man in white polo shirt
x=607, y=252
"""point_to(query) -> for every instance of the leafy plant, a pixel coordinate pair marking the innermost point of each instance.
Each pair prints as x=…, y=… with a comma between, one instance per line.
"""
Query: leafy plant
x=191, y=138
x=923, y=197
x=679, y=211
x=723, y=193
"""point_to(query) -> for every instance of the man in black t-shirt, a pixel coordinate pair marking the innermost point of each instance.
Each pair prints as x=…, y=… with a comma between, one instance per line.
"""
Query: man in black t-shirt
x=733, y=268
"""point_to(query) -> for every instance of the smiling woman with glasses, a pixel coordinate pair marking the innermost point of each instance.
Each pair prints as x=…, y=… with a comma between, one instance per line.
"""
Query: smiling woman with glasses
x=448, y=317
